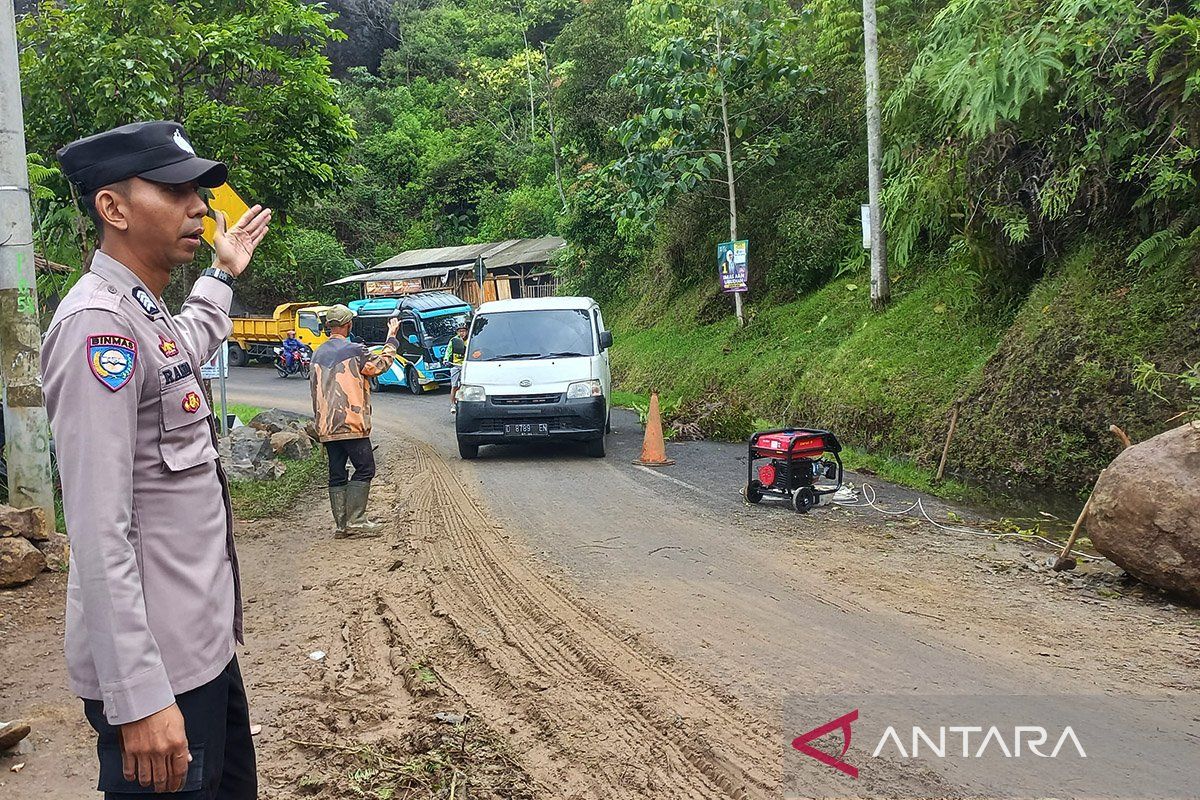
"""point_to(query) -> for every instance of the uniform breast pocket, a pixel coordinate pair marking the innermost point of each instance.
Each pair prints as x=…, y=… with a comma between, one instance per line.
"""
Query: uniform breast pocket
x=186, y=438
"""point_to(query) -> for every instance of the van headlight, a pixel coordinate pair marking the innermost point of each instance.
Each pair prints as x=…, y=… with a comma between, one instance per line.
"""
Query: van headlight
x=582, y=389
x=472, y=394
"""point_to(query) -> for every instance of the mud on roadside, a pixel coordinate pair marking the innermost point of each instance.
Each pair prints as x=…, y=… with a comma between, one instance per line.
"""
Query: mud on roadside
x=454, y=666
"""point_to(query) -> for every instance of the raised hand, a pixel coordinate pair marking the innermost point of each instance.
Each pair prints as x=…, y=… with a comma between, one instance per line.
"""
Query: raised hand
x=235, y=246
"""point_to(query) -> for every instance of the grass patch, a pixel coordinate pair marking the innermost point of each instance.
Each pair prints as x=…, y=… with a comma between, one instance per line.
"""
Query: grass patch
x=262, y=499
x=1039, y=379
x=443, y=761
x=243, y=411
x=630, y=400
x=908, y=473
x=883, y=382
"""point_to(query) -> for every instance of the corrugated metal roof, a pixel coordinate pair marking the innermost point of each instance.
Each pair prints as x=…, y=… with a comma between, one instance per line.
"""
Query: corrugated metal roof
x=401, y=274
x=433, y=256
x=440, y=260
x=502, y=254
x=526, y=251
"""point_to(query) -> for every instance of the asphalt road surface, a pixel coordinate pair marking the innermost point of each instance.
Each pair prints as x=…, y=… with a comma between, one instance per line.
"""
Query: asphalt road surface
x=541, y=624
x=768, y=607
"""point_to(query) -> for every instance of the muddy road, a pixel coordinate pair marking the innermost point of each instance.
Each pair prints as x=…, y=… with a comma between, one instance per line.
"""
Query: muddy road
x=542, y=624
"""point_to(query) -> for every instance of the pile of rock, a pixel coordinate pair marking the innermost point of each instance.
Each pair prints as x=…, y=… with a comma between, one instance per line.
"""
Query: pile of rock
x=28, y=545
x=254, y=452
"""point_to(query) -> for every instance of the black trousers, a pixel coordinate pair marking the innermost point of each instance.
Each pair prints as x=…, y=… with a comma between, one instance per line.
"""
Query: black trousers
x=216, y=717
x=358, y=452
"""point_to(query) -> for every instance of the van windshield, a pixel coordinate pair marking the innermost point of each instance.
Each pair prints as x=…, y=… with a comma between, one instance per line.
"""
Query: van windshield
x=512, y=335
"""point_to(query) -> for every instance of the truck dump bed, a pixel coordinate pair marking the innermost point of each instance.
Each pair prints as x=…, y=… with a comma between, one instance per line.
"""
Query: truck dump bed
x=262, y=329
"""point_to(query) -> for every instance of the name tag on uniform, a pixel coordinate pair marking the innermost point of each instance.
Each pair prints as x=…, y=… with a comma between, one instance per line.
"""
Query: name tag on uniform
x=175, y=373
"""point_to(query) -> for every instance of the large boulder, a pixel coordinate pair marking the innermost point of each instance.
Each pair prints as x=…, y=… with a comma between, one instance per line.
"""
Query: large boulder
x=292, y=444
x=275, y=420
x=1145, y=511
x=20, y=561
x=27, y=523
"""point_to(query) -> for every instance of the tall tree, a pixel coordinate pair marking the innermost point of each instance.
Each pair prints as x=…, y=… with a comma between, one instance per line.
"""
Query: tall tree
x=715, y=93
x=247, y=79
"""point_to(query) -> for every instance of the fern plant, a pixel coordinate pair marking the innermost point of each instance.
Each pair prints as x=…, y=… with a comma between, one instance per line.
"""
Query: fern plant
x=1023, y=123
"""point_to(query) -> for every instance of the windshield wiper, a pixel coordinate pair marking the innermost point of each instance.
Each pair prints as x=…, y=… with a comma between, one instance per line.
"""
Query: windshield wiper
x=565, y=354
x=515, y=356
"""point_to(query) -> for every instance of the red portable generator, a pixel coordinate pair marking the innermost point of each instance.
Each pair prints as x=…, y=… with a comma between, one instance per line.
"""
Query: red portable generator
x=798, y=459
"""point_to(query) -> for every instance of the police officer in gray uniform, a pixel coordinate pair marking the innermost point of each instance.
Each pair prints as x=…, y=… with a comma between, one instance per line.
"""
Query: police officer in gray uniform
x=153, y=597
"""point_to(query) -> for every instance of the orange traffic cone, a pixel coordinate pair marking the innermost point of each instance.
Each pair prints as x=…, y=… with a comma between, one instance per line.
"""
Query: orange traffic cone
x=654, y=450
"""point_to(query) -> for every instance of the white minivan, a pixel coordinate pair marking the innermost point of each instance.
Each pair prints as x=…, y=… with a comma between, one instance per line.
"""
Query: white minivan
x=536, y=370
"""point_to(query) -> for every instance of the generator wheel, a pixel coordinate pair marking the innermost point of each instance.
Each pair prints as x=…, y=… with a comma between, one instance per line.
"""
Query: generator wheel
x=754, y=492
x=804, y=499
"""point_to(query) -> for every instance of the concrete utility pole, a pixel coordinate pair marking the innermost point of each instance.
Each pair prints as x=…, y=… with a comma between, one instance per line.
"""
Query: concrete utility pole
x=27, y=434
x=881, y=284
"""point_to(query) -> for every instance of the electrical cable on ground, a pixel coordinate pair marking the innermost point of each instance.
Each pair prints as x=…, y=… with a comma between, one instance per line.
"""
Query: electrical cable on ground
x=848, y=497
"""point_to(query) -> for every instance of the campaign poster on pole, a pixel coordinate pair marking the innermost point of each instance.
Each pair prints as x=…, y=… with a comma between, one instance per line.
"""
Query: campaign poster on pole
x=216, y=367
x=732, y=265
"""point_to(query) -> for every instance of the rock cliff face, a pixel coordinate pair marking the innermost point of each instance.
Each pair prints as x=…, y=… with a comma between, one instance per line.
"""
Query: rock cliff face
x=369, y=26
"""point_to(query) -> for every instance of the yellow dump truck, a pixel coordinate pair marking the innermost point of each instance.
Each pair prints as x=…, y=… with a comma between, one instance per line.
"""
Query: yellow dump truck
x=258, y=336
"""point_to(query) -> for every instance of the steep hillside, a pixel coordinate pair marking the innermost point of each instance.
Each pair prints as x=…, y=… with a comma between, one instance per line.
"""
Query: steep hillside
x=1038, y=389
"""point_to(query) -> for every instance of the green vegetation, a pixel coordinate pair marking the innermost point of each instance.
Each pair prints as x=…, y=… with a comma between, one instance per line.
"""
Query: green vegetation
x=248, y=81
x=1040, y=189
x=267, y=499
x=244, y=412
x=823, y=358
x=630, y=400
x=908, y=473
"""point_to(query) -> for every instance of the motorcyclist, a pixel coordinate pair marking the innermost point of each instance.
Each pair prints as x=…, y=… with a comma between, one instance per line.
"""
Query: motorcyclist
x=291, y=348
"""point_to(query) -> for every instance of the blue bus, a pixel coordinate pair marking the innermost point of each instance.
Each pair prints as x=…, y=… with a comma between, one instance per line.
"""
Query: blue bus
x=427, y=324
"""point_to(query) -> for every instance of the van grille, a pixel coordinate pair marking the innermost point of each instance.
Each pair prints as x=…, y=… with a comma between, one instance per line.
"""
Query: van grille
x=526, y=399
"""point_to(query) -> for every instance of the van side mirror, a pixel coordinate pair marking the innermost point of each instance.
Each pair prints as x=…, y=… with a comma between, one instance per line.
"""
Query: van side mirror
x=606, y=340
x=412, y=339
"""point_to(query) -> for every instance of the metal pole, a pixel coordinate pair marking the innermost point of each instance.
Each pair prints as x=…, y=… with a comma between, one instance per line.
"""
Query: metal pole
x=731, y=184
x=221, y=368
x=26, y=431
x=881, y=286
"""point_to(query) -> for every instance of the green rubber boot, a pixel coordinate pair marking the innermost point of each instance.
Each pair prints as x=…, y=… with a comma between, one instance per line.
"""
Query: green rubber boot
x=337, y=504
x=357, y=523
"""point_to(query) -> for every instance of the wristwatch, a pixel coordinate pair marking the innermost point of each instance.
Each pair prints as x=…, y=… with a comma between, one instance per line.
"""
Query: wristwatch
x=220, y=274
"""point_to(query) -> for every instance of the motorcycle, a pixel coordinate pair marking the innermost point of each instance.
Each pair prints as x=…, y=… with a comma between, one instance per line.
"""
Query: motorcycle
x=301, y=364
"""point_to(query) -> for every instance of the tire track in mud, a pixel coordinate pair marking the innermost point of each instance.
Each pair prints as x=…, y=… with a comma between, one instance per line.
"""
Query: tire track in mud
x=594, y=712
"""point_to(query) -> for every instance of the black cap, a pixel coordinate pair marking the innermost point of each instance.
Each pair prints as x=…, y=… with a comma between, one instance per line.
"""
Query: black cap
x=156, y=151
